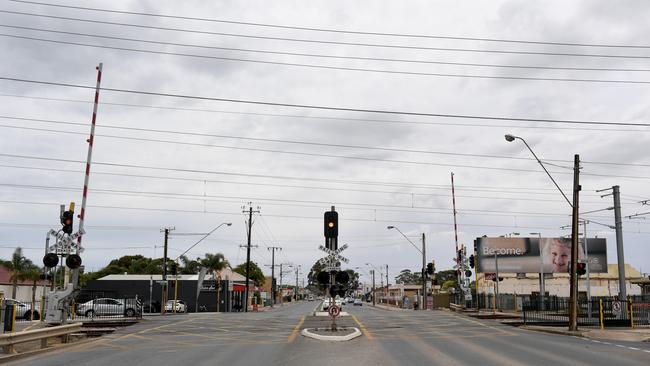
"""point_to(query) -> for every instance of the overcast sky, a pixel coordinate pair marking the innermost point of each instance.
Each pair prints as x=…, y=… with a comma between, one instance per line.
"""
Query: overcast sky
x=235, y=153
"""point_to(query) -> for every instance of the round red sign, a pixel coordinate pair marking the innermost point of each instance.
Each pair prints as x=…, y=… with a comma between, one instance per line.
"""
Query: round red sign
x=334, y=310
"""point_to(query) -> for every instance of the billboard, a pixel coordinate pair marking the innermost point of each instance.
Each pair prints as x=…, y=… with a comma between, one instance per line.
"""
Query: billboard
x=517, y=255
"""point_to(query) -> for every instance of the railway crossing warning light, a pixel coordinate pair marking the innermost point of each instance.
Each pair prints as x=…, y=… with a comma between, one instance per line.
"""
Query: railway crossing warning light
x=174, y=268
x=429, y=268
x=581, y=269
x=50, y=260
x=73, y=261
x=471, y=260
x=331, y=224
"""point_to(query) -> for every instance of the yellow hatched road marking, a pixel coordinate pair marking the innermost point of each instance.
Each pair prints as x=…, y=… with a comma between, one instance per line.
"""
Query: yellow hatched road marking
x=362, y=327
x=296, y=329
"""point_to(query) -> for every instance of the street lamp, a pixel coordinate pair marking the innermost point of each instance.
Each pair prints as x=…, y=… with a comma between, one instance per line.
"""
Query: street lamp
x=573, y=311
x=511, y=138
x=424, y=264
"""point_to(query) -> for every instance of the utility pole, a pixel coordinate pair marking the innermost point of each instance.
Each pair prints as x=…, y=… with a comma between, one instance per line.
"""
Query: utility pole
x=373, y=286
x=424, y=274
x=248, y=253
x=496, y=294
x=164, y=274
x=618, y=226
x=273, y=249
x=453, y=201
x=295, y=292
x=573, y=311
x=387, y=280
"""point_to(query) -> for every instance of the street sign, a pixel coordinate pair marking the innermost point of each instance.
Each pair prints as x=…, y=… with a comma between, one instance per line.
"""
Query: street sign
x=616, y=308
x=331, y=268
x=334, y=311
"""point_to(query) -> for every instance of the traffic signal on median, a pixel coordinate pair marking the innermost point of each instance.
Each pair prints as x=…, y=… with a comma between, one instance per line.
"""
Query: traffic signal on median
x=331, y=223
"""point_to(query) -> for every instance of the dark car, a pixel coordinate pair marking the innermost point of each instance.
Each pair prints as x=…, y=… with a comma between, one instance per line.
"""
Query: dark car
x=153, y=307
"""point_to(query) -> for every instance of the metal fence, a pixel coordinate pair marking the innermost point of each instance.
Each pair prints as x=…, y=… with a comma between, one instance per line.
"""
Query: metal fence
x=598, y=312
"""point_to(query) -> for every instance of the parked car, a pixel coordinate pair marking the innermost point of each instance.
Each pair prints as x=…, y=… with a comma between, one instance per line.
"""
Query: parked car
x=108, y=306
x=357, y=302
x=181, y=307
x=338, y=302
x=23, y=311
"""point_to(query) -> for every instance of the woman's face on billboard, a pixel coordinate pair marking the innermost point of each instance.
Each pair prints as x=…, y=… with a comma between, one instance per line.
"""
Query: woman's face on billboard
x=560, y=257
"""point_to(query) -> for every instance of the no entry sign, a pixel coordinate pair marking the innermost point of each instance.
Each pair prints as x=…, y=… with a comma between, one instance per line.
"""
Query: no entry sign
x=334, y=310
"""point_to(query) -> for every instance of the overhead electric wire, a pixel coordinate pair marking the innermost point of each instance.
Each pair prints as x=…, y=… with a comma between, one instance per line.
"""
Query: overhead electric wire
x=370, y=207
x=316, y=55
x=319, y=107
x=257, y=139
x=330, y=30
x=324, y=42
x=582, y=128
x=340, y=68
x=186, y=170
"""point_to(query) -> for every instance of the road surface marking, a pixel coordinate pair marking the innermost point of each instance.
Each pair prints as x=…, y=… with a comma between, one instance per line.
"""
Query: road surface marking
x=296, y=330
x=362, y=327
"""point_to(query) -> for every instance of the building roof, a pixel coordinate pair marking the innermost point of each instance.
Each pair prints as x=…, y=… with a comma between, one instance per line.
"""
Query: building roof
x=5, y=278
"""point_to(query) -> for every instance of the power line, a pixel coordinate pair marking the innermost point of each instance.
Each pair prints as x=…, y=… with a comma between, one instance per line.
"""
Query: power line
x=330, y=30
x=343, y=119
x=227, y=173
x=302, y=54
x=328, y=108
x=294, y=142
x=340, y=68
x=324, y=42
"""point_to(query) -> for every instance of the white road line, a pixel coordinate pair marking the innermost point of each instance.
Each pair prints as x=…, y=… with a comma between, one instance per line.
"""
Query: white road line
x=636, y=349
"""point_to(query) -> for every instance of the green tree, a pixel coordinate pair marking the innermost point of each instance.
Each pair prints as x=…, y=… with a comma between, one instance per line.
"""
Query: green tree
x=407, y=277
x=214, y=263
x=190, y=266
x=19, y=266
x=256, y=273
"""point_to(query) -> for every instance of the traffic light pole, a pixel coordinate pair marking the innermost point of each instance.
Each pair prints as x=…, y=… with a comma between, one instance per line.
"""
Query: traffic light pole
x=424, y=274
x=164, y=274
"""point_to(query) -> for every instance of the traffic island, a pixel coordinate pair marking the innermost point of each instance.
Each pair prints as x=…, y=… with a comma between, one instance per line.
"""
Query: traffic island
x=325, y=334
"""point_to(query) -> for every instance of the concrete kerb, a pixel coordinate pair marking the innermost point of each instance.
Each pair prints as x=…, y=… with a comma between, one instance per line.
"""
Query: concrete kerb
x=390, y=308
x=308, y=333
x=623, y=335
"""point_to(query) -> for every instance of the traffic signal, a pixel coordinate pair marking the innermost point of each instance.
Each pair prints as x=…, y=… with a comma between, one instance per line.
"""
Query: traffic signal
x=471, y=261
x=73, y=261
x=581, y=269
x=342, y=277
x=66, y=221
x=174, y=268
x=429, y=268
x=459, y=258
x=50, y=260
x=323, y=278
x=331, y=224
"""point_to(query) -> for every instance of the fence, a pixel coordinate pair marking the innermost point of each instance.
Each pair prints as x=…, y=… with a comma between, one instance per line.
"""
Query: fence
x=599, y=312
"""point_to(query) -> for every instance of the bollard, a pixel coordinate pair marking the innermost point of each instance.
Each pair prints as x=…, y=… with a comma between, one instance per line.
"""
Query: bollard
x=602, y=323
x=13, y=318
x=631, y=314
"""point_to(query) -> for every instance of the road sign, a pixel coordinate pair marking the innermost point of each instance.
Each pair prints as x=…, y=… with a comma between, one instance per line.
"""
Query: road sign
x=334, y=310
x=616, y=308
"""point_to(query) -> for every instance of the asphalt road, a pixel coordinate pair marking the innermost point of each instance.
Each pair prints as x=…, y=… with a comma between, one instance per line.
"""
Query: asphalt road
x=390, y=338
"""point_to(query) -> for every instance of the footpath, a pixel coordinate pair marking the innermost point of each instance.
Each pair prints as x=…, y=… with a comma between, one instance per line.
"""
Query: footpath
x=611, y=334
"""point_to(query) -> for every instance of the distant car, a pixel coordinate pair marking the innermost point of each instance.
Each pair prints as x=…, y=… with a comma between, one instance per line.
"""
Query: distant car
x=310, y=298
x=181, y=307
x=350, y=300
x=326, y=304
x=357, y=302
x=108, y=306
x=23, y=311
x=338, y=302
